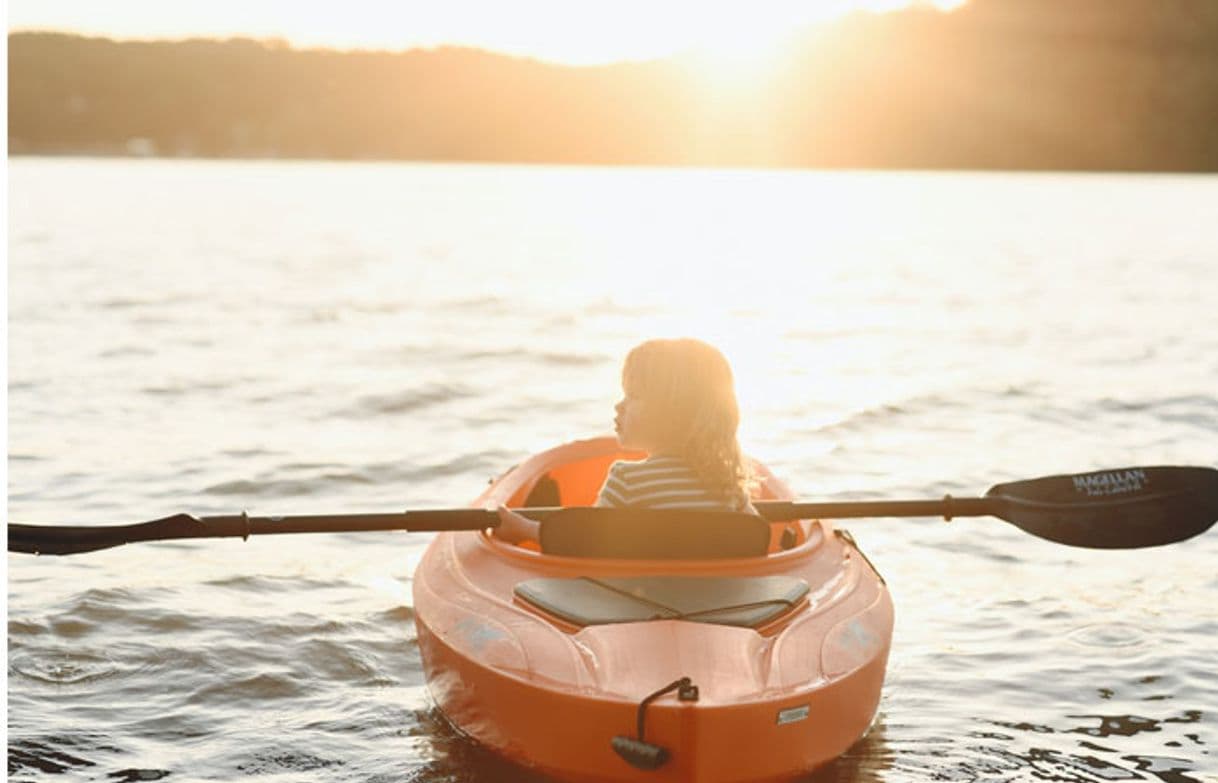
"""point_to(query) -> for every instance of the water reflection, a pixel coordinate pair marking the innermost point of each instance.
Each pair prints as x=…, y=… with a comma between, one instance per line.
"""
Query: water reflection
x=51, y=755
x=1037, y=751
x=864, y=762
x=452, y=758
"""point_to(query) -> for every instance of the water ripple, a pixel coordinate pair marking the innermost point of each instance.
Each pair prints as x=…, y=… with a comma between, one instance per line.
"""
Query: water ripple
x=319, y=478
x=409, y=401
x=1109, y=636
x=255, y=688
x=64, y=666
x=515, y=356
x=132, y=775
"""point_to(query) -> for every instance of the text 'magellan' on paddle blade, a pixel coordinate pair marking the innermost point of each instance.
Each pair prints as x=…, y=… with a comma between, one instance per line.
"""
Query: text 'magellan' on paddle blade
x=1126, y=508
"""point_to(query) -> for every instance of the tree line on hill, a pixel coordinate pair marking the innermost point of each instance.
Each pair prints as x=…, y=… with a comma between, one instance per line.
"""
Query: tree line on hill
x=994, y=84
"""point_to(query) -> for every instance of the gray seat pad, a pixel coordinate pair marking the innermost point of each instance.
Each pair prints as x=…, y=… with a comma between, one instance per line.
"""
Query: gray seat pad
x=746, y=602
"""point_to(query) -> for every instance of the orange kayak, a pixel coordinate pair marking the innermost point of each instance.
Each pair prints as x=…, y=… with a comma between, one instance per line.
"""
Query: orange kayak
x=727, y=668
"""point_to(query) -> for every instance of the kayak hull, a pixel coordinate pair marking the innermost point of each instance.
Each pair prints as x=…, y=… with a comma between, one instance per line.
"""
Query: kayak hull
x=772, y=703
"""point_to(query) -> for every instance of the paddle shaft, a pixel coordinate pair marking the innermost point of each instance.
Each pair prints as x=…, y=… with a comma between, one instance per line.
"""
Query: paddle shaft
x=82, y=538
x=773, y=510
x=448, y=519
x=948, y=507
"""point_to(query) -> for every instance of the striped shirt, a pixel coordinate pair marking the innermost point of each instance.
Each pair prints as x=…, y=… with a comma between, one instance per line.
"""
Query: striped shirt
x=658, y=482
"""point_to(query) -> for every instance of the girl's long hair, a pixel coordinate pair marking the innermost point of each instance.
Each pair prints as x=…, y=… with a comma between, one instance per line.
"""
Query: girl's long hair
x=690, y=384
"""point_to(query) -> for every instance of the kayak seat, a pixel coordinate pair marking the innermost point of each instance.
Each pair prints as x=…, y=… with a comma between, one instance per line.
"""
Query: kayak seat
x=652, y=534
x=544, y=493
x=745, y=602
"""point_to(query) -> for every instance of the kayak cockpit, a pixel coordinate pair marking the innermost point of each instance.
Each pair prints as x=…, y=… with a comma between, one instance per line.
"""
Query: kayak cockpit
x=571, y=477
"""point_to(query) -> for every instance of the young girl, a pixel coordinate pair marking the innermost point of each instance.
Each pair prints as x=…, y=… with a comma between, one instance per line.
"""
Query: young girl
x=679, y=406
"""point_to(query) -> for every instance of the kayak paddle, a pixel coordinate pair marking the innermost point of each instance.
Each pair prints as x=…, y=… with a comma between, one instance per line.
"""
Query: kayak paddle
x=1128, y=508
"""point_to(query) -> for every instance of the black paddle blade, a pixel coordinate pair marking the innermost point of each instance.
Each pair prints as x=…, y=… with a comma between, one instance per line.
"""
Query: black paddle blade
x=71, y=540
x=1127, y=508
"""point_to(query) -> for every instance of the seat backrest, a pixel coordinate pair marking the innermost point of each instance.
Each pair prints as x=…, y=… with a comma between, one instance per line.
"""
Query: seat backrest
x=545, y=492
x=654, y=534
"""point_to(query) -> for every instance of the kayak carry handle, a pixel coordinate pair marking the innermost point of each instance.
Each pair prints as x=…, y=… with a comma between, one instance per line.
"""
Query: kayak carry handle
x=640, y=753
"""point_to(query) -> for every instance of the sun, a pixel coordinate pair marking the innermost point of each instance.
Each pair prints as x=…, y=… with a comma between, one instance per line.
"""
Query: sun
x=737, y=52
x=741, y=60
x=732, y=49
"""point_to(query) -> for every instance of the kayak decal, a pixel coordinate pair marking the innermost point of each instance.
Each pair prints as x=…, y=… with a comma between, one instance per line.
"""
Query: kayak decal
x=1115, y=482
x=857, y=636
x=477, y=633
x=793, y=714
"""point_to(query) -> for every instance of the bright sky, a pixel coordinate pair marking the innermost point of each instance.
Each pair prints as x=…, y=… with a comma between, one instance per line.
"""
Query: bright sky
x=570, y=31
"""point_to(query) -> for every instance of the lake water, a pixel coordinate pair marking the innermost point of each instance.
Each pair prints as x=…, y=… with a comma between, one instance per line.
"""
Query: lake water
x=310, y=337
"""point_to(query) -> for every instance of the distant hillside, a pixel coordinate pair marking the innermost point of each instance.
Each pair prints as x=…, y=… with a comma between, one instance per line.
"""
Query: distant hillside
x=1012, y=84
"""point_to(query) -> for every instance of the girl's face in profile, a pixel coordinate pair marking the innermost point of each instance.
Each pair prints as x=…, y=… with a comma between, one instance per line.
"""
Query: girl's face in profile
x=635, y=423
